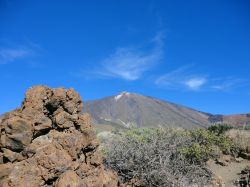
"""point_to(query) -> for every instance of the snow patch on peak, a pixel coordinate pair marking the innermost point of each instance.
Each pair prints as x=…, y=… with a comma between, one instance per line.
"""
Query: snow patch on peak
x=127, y=125
x=121, y=94
x=118, y=97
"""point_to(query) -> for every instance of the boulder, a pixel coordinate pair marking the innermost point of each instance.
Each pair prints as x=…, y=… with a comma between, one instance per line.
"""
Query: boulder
x=69, y=178
x=17, y=133
x=48, y=142
x=5, y=169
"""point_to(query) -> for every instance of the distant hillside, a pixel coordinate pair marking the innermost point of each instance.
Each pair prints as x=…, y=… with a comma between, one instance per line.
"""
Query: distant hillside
x=134, y=110
x=129, y=109
x=240, y=119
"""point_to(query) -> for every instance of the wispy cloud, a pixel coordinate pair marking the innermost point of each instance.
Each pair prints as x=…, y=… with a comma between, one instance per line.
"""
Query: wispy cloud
x=15, y=53
x=186, y=78
x=182, y=78
x=227, y=84
x=10, y=55
x=130, y=63
x=195, y=83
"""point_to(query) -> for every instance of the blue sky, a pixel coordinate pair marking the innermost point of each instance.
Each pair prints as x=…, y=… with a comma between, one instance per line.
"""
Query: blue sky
x=195, y=53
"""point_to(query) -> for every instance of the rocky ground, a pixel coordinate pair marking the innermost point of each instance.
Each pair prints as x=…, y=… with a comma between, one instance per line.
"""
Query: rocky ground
x=229, y=171
x=48, y=142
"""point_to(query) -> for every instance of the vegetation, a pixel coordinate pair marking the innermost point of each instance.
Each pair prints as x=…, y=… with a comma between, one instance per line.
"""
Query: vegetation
x=241, y=139
x=247, y=127
x=220, y=128
x=171, y=157
x=157, y=157
x=206, y=144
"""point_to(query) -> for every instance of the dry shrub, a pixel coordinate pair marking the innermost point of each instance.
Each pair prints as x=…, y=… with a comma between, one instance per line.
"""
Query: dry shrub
x=154, y=156
x=241, y=138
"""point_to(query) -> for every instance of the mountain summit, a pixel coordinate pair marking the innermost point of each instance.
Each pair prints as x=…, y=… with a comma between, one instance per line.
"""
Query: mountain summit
x=135, y=110
x=119, y=96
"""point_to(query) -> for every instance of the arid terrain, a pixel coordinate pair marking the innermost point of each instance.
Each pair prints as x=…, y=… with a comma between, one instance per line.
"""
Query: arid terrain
x=134, y=110
x=125, y=93
x=49, y=141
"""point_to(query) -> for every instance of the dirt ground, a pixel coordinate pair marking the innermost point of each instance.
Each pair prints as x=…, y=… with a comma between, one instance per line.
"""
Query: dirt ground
x=230, y=172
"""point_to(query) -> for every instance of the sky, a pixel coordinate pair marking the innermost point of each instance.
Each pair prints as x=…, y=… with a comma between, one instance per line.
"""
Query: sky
x=194, y=53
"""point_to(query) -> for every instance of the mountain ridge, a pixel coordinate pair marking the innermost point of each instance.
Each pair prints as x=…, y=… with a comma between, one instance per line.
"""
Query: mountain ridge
x=136, y=110
x=128, y=109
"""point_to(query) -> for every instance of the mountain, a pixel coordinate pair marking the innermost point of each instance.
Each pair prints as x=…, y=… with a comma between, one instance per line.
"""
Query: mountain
x=238, y=119
x=130, y=109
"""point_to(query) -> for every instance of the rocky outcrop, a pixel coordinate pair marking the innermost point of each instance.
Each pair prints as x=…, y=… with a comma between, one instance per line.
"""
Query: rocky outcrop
x=48, y=142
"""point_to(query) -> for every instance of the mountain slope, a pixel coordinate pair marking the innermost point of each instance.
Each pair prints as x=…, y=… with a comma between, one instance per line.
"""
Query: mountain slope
x=129, y=109
x=238, y=119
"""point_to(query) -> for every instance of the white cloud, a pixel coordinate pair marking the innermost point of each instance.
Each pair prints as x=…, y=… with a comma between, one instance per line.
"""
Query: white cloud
x=195, y=83
x=130, y=63
x=185, y=78
x=227, y=84
x=181, y=78
x=169, y=79
x=8, y=55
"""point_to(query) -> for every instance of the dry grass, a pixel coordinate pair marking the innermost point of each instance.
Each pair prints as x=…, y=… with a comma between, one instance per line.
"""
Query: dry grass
x=241, y=138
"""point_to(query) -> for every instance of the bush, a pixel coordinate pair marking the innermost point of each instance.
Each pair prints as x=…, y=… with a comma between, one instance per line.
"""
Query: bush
x=210, y=139
x=220, y=128
x=241, y=138
x=157, y=158
x=206, y=144
x=247, y=127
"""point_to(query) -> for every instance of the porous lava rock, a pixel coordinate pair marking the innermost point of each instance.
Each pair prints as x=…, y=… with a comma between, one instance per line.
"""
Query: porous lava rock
x=49, y=142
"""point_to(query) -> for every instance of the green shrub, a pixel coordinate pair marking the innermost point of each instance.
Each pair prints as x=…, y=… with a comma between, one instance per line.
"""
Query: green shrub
x=247, y=127
x=205, y=145
x=220, y=128
x=195, y=152
x=142, y=134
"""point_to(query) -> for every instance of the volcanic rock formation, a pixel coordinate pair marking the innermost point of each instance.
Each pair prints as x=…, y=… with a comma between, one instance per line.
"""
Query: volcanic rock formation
x=48, y=142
